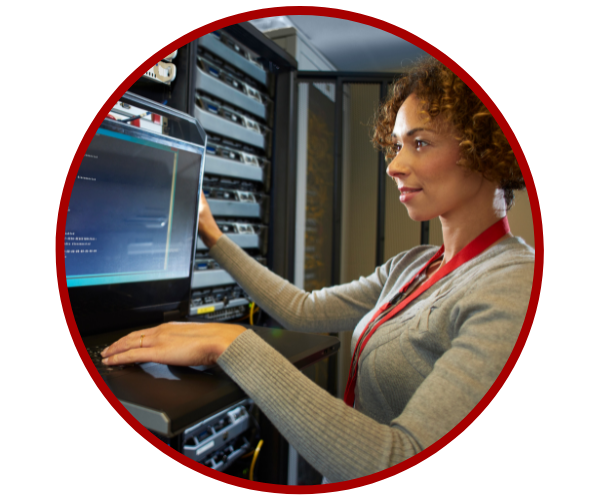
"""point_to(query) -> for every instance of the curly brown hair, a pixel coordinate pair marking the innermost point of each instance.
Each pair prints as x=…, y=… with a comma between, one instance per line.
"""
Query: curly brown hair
x=484, y=147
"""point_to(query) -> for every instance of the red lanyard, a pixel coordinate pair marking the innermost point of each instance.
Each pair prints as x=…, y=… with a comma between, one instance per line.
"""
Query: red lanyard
x=388, y=310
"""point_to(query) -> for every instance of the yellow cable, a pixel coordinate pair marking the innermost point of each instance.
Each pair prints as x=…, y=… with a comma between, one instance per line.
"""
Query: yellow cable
x=256, y=452
x=252, y=313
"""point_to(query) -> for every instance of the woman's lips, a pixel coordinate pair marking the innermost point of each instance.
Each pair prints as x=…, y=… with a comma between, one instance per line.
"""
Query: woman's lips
x=407, y=194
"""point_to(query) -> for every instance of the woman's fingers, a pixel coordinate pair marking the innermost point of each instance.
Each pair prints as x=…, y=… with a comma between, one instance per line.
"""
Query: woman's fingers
x=203, y=202
x=207, y=227
x=130, y=356
x=138, y=339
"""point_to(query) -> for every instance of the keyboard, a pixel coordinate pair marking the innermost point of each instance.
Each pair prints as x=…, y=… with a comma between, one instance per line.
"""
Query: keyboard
x=96, y=355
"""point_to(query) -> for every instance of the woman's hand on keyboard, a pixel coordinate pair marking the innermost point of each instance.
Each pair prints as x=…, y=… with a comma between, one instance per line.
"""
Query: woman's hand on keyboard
x=183, y=344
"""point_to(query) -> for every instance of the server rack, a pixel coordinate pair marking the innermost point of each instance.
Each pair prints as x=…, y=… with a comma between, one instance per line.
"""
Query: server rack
x=233, y=102
x=241, y=87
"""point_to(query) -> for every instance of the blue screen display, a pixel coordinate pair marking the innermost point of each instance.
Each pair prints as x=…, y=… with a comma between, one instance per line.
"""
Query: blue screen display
x=132, y=212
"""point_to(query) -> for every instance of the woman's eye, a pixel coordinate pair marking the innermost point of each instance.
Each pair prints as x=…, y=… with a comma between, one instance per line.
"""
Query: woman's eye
x=420, y=144
x=396, y=148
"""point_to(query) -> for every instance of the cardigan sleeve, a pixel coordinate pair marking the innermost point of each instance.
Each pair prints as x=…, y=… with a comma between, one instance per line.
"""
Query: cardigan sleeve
x=331, y=309
x=338, y=441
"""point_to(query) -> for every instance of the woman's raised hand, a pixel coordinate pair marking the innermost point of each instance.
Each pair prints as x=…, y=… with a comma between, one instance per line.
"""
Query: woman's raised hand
x=183, y=344
x=208, y=230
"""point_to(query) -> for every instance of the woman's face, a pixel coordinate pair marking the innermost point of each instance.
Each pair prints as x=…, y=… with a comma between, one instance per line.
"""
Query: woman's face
x=430, y=182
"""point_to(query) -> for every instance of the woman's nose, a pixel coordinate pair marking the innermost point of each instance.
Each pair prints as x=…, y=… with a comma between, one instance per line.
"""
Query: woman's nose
x=397, y=166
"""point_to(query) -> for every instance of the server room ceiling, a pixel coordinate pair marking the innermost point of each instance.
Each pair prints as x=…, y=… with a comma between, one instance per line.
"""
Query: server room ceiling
x=348, y=45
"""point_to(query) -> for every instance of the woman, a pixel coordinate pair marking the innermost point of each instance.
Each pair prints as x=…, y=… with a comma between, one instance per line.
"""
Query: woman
x=445, y=320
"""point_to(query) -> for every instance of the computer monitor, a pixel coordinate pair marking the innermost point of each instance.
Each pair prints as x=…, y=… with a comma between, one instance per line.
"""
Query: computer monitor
x=131, y=227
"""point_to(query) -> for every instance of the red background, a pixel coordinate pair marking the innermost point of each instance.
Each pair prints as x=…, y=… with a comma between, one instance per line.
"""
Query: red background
x=537, y=73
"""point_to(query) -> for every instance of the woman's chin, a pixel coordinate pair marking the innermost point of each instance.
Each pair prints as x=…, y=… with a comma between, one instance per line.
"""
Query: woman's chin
x=419, y=216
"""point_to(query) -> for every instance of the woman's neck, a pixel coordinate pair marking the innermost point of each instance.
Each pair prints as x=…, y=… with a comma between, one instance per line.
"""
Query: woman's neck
x=460, y=228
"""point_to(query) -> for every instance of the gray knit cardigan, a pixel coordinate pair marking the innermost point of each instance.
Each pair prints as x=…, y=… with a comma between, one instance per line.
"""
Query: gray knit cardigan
x=420, y=374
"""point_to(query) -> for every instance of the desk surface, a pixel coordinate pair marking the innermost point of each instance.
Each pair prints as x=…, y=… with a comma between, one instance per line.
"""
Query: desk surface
x=168, y=399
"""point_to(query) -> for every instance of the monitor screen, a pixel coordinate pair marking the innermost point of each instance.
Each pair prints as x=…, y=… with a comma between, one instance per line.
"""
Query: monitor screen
x=132, y=211
x=131, y=226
